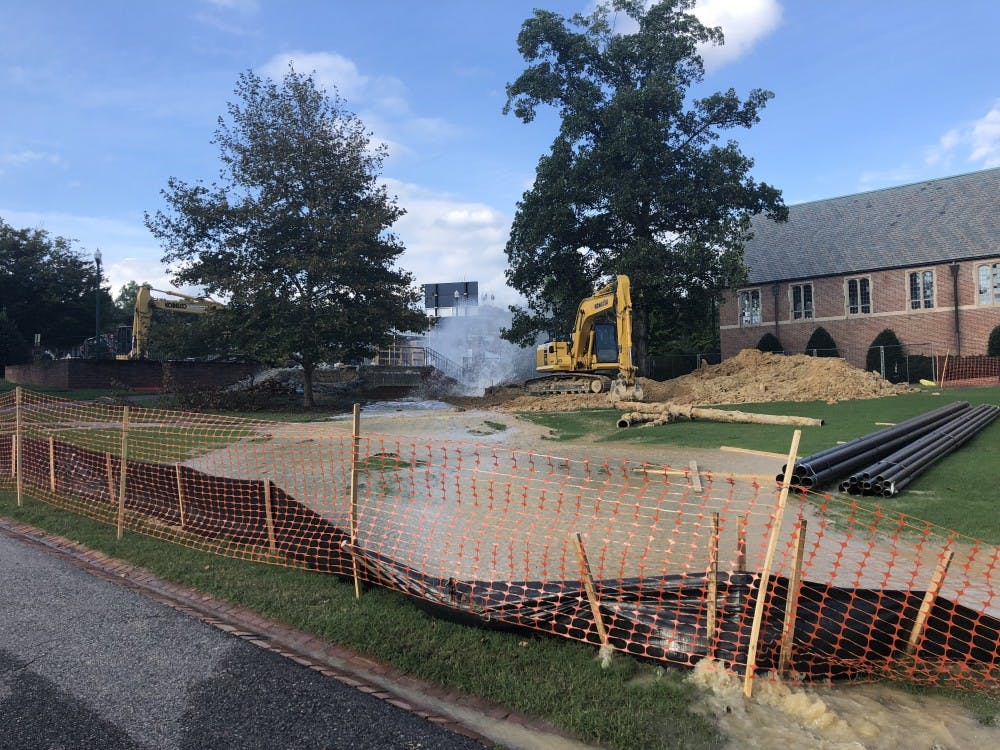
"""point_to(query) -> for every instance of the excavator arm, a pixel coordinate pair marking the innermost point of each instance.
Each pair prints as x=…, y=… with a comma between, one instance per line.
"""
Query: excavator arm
x=146, y=303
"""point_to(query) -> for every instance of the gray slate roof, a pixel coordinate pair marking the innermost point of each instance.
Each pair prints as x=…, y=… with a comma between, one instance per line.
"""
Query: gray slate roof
x=951, y=219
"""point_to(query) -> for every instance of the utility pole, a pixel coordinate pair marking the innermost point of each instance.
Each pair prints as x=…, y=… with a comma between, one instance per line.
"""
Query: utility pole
x=97, y=297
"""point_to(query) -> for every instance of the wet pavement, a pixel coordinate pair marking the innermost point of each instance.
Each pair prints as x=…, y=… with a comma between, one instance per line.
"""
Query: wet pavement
x=94, y=653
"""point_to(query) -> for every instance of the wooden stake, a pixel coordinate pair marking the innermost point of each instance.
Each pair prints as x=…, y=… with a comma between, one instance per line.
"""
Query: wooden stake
x=750, y=451
x=929, y=598
x=588, y=585
x=765, y=573
x=52, y=463
x=712, y=594
x=741, y=543
x=944, y=371
x=271, y=541
x=180, y=492
x=695, y=478
x=18, y=441
x=792, y=599
x=355, y=450
x=122, y=474
x=109, y=470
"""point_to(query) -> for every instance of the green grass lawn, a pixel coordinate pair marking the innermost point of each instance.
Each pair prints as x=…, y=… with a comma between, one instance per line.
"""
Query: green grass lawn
x=961, y=492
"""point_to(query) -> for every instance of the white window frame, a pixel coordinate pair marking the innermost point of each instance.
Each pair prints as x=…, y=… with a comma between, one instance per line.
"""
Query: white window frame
x=860, y=306
x=748, y=315
x=801, y=310
x=921, y=303
x=993, y=284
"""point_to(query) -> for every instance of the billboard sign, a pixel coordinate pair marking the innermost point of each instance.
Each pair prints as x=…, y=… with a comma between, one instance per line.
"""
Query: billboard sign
x=455, y=294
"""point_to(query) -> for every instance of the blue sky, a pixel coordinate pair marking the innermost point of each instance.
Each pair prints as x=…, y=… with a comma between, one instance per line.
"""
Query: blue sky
x=104, y=101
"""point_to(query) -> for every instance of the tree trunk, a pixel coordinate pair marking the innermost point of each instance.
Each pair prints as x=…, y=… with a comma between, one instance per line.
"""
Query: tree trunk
x=662, y=413
x=640, y=340
x=307, y=384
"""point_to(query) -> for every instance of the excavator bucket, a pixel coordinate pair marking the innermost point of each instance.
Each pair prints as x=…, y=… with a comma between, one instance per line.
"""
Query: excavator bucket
x=624, y=391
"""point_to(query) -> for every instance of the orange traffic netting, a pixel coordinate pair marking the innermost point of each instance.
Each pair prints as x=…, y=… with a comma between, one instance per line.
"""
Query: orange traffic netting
x=974, y=370
x=647, y=560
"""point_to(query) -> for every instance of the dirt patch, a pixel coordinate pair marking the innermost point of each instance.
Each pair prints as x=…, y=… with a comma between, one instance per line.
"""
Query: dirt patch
x=750, y=377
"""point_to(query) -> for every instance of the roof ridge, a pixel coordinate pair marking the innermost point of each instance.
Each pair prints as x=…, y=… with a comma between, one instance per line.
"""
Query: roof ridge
x=896, y=187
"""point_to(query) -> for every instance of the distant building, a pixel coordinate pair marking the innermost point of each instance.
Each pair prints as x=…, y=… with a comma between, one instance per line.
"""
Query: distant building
x=922, y=260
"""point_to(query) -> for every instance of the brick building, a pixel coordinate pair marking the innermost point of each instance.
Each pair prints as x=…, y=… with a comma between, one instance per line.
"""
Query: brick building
x=922, y=260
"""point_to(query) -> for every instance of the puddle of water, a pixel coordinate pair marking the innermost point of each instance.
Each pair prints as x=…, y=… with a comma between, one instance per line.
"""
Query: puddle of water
x=381, y=408
x=841, y=717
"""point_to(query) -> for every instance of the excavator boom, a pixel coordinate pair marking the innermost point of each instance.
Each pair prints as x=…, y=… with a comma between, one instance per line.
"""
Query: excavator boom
x=146, y=303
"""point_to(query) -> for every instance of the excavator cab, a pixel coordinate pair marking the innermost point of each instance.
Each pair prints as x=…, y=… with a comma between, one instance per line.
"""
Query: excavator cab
x=605, y=343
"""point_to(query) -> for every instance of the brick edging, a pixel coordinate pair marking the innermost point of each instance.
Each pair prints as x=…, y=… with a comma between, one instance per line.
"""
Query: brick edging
x=329, y=659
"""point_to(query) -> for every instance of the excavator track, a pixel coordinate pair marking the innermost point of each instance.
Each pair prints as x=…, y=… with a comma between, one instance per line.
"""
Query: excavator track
x=551, y=385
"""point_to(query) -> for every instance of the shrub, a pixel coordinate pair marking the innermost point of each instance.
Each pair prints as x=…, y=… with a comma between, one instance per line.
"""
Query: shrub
x=993, y=347
x=821, y=344
x=887, y=345
x=769, y=343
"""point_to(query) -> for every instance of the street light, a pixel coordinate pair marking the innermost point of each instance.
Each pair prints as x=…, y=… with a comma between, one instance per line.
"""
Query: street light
x=97, y=296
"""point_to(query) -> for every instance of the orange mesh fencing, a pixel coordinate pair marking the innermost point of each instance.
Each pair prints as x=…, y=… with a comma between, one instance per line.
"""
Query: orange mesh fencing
x=974, y=370
x=647, y=560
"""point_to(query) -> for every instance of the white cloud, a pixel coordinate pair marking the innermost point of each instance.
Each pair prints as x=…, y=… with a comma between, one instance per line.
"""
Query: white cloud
x=328, y=69
x=743, y=22
x=448, y=240
x=243, y=6
x=21, y=158
x=976, y=143
x=380, y=101
x=985, y=138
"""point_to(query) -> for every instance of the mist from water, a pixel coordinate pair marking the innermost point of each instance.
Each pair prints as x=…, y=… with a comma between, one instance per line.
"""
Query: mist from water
x=477, y=357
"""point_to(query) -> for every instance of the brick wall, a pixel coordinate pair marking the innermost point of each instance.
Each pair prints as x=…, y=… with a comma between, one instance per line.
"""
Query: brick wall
x=86, y=373
x=934, y=328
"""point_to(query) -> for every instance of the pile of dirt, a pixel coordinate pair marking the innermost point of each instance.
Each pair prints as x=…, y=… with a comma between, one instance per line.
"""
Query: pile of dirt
x=750, y=377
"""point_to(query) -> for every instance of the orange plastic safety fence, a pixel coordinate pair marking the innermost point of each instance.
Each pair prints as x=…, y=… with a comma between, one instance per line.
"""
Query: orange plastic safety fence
x=970, y=370
x=645, y=559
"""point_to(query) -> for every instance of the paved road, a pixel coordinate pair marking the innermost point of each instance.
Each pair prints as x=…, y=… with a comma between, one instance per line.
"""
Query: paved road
x=88, y=664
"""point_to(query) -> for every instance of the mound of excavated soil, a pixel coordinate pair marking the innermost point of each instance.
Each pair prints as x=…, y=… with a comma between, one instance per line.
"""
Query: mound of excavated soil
x=750, y=377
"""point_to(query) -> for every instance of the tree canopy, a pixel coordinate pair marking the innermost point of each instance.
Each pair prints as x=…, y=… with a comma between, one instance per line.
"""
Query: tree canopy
x=297, y=233
x=48, y=288
x=636, y=181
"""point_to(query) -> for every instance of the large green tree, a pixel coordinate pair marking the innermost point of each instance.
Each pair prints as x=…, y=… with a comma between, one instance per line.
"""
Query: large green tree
x=637, y=180
x=49, y=288
x=297, y=233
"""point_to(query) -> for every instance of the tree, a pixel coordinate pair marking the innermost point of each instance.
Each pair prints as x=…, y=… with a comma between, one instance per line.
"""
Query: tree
x=821, y=344
x=49, y=288
x=993, y=345
x=125, y=302
x=635, y=181
x=885, y=356
x=297, y=235
x=14, y=350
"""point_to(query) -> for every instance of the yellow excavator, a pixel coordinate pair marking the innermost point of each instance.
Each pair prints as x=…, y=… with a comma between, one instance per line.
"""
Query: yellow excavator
x=600, y=347
x=146, y=303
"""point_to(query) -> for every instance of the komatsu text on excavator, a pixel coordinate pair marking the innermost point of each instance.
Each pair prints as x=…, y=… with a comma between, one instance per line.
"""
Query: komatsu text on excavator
x=600, y=346
x=145, y=303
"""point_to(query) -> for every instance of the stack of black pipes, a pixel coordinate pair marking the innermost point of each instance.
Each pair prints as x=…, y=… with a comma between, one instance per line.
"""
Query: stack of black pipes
x=886, y=461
